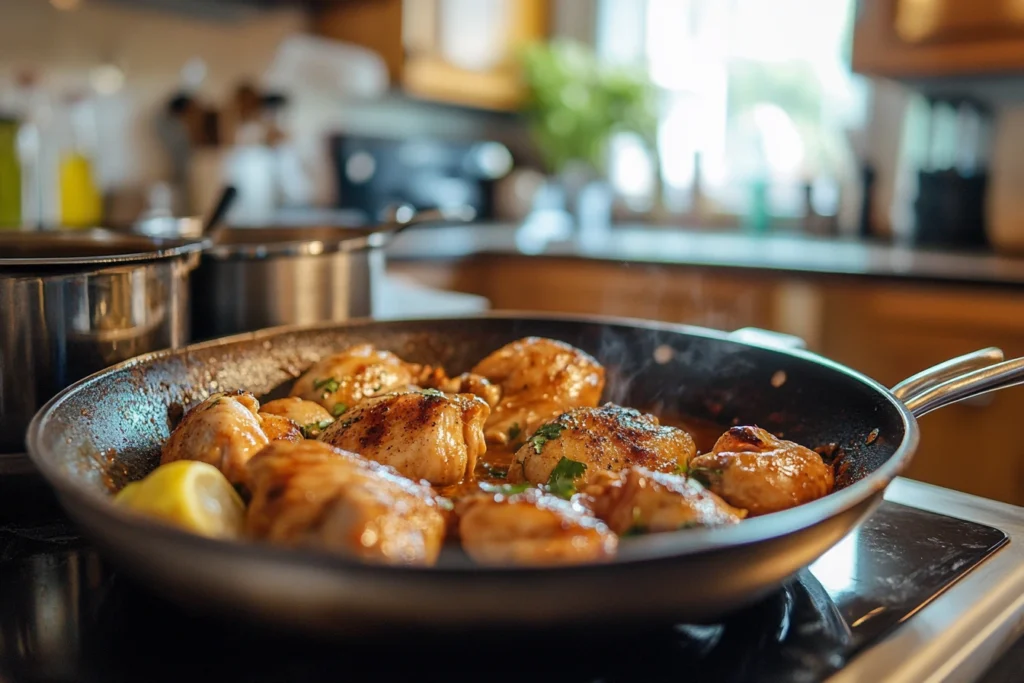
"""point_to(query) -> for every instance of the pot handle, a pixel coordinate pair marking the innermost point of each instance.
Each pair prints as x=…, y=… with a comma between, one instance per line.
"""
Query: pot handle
x=402, y=216
x=958, y=379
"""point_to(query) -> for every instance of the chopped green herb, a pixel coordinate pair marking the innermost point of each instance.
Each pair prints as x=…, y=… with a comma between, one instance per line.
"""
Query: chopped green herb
x=431, y=392
x=378, y=388
x=681, y=469
x=495, y=472
x=329, y=385
x=313, y=429
x=504, y=489
x=689, y=525
x=339, y=409
x=635, y=530
x=513, y=432
x=562, y=481
x=545, y=433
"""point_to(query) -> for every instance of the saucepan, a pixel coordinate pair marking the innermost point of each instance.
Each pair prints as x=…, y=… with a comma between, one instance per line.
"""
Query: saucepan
x=74, y=302
x=258, y=277
x=108, y=429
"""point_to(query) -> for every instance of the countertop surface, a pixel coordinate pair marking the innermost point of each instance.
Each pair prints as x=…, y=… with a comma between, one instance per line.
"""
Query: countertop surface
x=785, y=253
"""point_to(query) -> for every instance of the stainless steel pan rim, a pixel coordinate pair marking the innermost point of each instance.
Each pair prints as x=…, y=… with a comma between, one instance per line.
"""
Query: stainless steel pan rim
x=638, y=550
x=131, y=249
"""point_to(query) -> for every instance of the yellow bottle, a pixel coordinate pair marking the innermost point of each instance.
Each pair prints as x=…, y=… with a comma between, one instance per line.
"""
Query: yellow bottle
x=81, y=205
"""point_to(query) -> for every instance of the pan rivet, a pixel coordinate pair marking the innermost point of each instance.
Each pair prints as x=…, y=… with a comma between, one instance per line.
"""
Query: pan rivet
x=779, y=378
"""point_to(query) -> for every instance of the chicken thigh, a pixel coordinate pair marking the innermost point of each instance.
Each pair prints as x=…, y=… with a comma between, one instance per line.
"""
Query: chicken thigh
x=225, y=431
x=539, y=378
x=638, y=500
x=340, y=381
x=308, y=417
x=531, y=528
x=754, y=470
x=422, y=434
x=605, y=439
x=310, y=494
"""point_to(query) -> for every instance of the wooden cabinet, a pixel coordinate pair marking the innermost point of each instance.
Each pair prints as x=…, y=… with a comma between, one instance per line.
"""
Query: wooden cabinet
x=887, y=331
x=457, y=51
x=910, y=39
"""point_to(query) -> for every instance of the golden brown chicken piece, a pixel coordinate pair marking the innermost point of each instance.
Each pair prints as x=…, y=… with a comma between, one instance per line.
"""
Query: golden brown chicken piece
x=466, y=383
x=638, y=500
x=539, y=378
x=224, y=430
x=308, y=418
x=309, y=494
x=422, y=434
x=340, y=381
x=279, y=428
x=605, y=439
x=752, y=469
x=531, y=528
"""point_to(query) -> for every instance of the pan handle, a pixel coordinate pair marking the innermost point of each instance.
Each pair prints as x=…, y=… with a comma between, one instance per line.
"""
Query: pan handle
x=942, y=372
x=958, y=386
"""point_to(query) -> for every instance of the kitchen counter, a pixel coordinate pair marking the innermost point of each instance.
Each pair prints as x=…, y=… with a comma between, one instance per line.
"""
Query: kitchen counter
x=706, y=250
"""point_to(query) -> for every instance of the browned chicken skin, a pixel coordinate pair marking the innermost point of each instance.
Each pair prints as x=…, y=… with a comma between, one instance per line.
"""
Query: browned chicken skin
x=422, y=434
x=539, y=378
x=279, y=428
x=225, y=431
x=309, y=494
x=466, y=383
x=754, y=470
x=605, y=439
x=638, y=500
x=531, y=528
x=341, y=380
x=299, y=410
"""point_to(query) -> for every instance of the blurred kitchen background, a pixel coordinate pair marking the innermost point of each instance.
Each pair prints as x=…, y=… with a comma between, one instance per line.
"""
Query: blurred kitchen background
x=846, y=171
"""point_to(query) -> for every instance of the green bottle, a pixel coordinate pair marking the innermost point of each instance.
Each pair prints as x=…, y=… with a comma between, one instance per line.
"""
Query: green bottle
x=10, y=175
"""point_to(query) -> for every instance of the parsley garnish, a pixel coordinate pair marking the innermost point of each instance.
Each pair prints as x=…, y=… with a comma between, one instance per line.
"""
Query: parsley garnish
x=562, y=481
x=339, y=409
x=544, y=434
x=431, y=392
x=513, y=432
x=681, y=469
x=504, y=489
x=495, y=472
x=313, y=429
x=635, y=530
x=329, y=385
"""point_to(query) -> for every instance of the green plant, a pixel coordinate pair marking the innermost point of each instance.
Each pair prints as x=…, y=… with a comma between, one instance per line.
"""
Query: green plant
x=576, y=103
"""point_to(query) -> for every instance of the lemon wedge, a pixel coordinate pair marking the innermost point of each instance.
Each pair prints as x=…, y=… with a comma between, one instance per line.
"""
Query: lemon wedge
x=189, y=494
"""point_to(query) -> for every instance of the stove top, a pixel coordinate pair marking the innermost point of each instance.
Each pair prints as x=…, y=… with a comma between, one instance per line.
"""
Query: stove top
x=66, y=616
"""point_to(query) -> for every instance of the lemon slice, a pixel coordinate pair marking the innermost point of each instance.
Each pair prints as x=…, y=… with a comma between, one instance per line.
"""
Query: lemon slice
x=189, y=494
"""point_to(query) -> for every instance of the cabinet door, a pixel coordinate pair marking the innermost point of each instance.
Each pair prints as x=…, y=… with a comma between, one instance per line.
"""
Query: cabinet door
x=922, y=38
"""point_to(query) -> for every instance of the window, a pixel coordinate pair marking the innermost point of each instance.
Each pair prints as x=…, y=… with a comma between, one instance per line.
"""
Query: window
x=752, y=94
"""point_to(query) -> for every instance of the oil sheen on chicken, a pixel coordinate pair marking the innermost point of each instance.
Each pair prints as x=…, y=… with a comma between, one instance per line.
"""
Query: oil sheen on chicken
x=531, y=528
x=225, y=431
x=605, y=439
x=638, y=500
x=539, y=378
x=422, y=434
x=310, y=494
x=752, y=469
x=340, y=381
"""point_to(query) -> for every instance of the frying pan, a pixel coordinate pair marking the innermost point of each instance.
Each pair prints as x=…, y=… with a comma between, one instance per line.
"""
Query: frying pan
x=107, y=430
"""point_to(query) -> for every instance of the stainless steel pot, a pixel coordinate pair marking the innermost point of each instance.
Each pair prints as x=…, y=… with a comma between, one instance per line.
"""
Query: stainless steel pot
x=74, y=303
x=254, y=278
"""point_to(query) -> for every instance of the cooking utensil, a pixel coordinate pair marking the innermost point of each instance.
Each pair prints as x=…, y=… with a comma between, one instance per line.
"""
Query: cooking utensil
x=689, y=575
x=72, y=303
x=216, y=217
x=262, y=277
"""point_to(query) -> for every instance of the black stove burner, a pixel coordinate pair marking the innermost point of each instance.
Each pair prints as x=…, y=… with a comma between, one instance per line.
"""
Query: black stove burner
x=65, y=616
